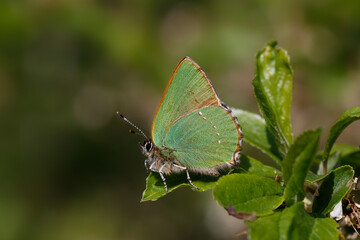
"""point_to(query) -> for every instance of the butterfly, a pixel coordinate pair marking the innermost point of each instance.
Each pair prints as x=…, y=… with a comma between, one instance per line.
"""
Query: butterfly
x=192, y=131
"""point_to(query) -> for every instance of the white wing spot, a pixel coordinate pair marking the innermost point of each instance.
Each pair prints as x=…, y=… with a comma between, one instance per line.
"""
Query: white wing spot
x=219, y=141
x=200, y=113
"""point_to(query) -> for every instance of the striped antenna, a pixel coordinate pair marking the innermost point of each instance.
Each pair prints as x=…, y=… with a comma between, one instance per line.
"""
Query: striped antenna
x=131, y=131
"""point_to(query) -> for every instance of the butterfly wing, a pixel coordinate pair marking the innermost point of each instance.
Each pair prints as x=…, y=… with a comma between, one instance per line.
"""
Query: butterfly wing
x=205, y=138
x=188, y=90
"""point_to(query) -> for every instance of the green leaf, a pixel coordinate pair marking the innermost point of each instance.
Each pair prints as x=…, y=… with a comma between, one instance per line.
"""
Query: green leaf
x=338, y=152
x=253, y=166
x=249, y=193
x=333, y=188
x=312, y=177
x=332, y=162
x=341, y=155
x=273, y=87
x=268, y=225
x=293, y=223
x=344, y=149
x=297, y=163
x=155, y=186
x=302, y=142
x=341, y=123
x=352, y=159
x=257, y=134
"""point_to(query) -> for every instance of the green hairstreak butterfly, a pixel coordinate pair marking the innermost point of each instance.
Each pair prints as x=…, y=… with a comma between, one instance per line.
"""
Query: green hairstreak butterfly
x=192, y=131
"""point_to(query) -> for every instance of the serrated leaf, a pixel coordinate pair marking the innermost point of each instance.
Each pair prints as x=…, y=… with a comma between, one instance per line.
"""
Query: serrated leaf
x=257, y=134
x=296, y=165
x=312, y=177
x=155, y=186
x=333, y=188
x=253, y=166
x=273, y=88
x=341, y=123
x=249, y=193
x=293, y=223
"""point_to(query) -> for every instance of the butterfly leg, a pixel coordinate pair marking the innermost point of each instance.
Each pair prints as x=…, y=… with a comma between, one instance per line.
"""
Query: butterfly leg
x=160, y=173
x=162, y=177
x=188, y=178
x=187, y=175
x=146, y=162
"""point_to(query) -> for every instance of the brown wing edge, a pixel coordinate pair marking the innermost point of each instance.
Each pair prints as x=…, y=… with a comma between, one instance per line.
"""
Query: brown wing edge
x=172, y=77
x=236, y=156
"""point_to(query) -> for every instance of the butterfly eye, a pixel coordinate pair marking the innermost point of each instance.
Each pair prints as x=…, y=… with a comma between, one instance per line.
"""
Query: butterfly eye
x=148, y=146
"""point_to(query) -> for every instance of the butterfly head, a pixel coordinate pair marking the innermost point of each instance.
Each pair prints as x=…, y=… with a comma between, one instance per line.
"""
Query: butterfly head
x=147, y=147
x=154, y=159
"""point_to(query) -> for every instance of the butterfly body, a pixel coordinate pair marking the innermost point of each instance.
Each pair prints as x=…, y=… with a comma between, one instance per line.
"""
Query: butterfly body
x=192, y=129
x=162, y=159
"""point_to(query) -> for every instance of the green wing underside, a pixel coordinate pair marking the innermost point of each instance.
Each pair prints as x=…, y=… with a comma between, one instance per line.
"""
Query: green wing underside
x=205, y=138
x=188, y=90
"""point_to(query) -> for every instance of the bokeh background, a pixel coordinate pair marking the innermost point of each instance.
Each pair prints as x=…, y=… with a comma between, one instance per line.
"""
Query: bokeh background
x=69, y=169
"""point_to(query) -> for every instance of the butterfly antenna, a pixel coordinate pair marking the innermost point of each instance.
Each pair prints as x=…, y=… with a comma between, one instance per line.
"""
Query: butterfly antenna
x=126, y=120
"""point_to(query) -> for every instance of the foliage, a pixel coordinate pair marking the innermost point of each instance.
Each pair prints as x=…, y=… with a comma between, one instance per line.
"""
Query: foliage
x=293, y=203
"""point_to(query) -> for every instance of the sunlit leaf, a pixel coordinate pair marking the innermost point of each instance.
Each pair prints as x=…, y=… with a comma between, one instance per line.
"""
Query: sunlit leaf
x=273, y=88
x=249, y=193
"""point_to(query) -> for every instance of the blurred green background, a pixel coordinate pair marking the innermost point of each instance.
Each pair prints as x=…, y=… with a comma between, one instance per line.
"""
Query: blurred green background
x=70, y=170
